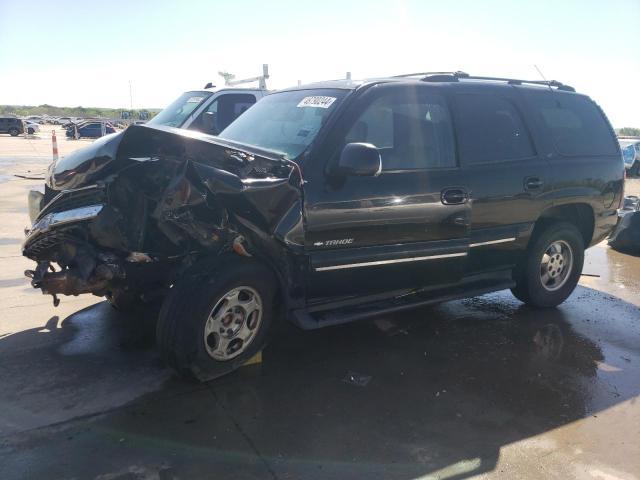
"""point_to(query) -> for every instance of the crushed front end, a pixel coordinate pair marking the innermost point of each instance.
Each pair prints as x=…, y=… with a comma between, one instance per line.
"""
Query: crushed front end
x=127, y=214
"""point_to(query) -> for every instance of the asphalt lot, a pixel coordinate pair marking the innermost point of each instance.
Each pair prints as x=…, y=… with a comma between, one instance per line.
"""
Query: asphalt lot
x=483, y=386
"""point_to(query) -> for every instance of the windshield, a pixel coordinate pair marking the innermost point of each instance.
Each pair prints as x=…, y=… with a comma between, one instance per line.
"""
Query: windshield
x=286, y=122
x=175, y=114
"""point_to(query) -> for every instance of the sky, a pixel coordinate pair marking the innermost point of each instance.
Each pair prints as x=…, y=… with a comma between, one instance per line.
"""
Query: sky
x=71, y=53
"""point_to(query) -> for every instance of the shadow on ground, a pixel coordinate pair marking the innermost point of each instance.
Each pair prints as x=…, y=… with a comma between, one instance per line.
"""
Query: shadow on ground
x=433, y=393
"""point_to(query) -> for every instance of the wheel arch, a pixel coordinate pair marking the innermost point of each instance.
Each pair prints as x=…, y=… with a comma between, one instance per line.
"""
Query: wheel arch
x=581, y=215
x=206, y=265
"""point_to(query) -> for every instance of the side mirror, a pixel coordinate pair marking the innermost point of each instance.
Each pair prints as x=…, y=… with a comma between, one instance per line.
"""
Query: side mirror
x=360, y=159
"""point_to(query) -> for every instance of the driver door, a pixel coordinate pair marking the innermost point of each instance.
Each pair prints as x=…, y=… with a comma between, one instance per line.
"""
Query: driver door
x=405, y=228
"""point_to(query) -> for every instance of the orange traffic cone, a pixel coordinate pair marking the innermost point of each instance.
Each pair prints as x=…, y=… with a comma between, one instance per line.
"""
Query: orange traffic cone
x=54, y=142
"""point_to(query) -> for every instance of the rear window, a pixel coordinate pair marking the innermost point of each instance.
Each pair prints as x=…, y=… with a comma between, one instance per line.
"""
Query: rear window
x=577, y=125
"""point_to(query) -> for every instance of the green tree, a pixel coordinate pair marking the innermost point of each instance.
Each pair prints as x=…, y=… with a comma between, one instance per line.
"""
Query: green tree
x=629, y=131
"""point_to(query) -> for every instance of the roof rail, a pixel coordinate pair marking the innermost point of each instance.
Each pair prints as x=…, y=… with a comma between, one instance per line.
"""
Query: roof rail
x=457, y=76
x=429, y=74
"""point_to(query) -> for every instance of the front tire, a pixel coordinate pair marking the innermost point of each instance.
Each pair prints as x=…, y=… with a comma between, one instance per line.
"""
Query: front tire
x=634, y=171
x=212, y=323
x=552, y=268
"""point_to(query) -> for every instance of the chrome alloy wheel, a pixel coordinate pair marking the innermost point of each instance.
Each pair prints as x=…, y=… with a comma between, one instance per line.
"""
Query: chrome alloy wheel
x=556, y=265
x=233, y=323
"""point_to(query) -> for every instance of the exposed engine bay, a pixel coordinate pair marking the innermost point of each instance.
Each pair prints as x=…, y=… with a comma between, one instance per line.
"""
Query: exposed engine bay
x=131, y=211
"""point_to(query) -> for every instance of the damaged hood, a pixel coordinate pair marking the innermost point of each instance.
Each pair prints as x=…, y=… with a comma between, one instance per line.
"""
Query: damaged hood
x=81, y=167
x=146, y=142
x=255, y=184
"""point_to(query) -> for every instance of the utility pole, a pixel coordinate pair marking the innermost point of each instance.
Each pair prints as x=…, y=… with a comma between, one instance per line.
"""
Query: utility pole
x=130, y=96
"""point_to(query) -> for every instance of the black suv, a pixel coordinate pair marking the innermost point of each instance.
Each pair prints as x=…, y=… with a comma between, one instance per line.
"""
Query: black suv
x=329, y=203
x=11, y=125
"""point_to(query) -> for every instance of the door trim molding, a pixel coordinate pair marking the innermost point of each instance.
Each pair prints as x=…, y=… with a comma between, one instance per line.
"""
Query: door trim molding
x=493, y=242
x=388, y=262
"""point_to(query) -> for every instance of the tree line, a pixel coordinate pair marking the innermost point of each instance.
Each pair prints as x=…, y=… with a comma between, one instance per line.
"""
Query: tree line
x=82, y=112
x=629, y=131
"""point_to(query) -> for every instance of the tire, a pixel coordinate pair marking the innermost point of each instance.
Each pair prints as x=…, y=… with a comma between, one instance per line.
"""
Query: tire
x=634, y=171
x=193, y=315
x=13, y=132
x=31, y=131
x=562, y=244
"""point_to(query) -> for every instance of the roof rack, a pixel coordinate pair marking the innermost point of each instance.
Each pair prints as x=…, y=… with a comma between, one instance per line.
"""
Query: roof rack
x=432, y=74
x=457, y=76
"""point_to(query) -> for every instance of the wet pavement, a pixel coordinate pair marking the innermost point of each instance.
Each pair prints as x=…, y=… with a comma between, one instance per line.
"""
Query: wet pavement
x=483, y=386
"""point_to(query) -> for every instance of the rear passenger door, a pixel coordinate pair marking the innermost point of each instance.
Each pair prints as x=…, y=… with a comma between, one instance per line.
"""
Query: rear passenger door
x=507, y=178
x=583, y=152
x=404, y=228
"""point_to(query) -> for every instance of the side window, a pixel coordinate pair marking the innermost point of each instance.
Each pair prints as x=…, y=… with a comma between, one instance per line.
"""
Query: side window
x=231, y=107
x=412, y=131
x=577, y=125
x=222, y=111
x=490, y=129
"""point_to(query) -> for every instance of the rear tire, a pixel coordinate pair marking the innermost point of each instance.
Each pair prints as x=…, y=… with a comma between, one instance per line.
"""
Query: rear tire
x=212, y=323
x=552, y=267
x=14, y=132
x=634, y=171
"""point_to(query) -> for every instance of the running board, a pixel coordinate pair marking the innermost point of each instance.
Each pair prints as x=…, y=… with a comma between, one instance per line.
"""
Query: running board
x=311, y=321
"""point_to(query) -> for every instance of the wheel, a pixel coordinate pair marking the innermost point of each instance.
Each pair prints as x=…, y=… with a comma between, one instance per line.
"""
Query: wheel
x=30, y=131
x=13, y=132
x=552, y=267
x=210, y=324
x=634, y=171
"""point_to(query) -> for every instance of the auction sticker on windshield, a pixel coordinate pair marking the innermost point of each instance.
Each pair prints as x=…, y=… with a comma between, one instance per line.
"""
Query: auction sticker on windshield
x=317, y=102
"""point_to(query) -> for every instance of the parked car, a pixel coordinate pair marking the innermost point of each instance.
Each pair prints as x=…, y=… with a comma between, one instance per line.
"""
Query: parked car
x=90, y=130
x=36, y=119
x=208, y=111
x=11, y=125
x=31, y=127
x=631, y=154
x=329, y=203
x=66, y=122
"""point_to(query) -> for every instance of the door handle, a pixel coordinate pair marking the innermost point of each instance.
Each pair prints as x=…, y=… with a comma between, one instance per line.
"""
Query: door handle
x=533, y=183
x=454, y=196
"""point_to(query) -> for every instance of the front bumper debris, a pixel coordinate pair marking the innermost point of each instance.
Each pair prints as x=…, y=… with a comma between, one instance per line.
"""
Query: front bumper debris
x=53, y=220
x=132, y=212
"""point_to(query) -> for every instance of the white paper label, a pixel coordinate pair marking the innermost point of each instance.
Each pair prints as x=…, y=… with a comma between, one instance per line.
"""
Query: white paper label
x=317, y=102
